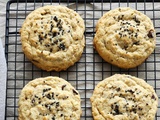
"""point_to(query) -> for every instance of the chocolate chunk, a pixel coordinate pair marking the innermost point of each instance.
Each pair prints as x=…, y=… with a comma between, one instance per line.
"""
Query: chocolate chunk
x=51, y=50
x=40, y=38
x=153, y=97
x=51, y=27
x=54, y=34
x=75, y=92
x=63, y=86
x=136, y=20
x=150, y=34
x=118, y=89
x=136, y=43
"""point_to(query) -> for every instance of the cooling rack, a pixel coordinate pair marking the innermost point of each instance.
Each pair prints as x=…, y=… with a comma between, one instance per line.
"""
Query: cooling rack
x=91, y=69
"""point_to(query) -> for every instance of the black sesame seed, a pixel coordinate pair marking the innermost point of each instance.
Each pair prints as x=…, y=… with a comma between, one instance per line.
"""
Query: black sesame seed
x=45, y=36
x=56, y=41
x=51, y=27
x=53, y=118
x=52, y=95
x=60, y=28
x=57, y=104
x=51, y=50
x=136, y=35
x=33, y=101
x=36, y=96
x=59, y=23
x=45, y=90
x=61, y=46
x=116, y=109
x=46, y=105
x=50, y=34
x=131, y=91
x=48, y=96
x=40, y=38
x=55, y=18
x=47, y=45
x=52, y=103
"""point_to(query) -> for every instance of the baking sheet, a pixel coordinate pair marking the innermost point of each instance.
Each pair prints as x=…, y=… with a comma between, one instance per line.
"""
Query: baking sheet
x=86, y=73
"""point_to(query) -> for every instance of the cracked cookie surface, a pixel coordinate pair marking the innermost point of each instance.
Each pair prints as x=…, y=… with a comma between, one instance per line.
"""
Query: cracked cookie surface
x=124, y=97
x=53, y=37
x=49, y=98
x=124, y=37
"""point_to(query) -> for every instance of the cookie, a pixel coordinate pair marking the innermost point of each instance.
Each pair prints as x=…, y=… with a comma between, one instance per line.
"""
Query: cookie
x=124, y=97
x=53, y=37
x=124, y=37
x=49, y=98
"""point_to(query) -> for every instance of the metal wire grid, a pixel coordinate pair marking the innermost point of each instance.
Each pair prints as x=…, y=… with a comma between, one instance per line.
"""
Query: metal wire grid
x=91, y=69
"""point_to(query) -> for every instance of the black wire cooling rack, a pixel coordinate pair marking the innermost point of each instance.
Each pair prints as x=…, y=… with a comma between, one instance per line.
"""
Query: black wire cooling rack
x=91, y=69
